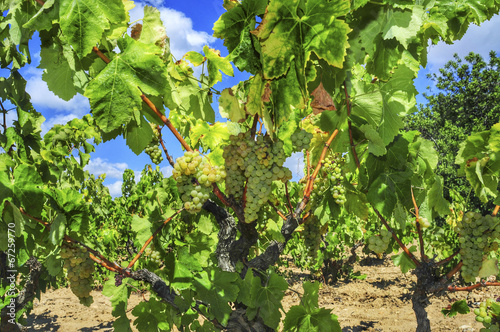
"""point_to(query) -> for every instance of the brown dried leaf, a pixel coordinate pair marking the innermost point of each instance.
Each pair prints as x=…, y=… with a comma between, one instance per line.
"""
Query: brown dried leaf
x=136, y=31
x=322, y=100
x=266, y=96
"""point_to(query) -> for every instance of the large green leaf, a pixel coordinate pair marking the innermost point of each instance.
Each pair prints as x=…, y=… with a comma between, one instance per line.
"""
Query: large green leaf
x=217, y=288
x=285, y=35
x=27, y=188
x=234, y=27
x=114, y=97
x=83, y=22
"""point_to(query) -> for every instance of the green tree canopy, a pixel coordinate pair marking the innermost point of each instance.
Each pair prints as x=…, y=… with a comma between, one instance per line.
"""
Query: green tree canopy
x=465, y=99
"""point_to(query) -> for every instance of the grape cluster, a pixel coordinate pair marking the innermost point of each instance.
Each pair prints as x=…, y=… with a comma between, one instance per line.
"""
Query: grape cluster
x=312, y=237
x=380, y=243
x=152, y=255
x=330, y=177
x=477, y=238
x=194, y=176
x=487, y=315
x=80, y=267
x=152, y=149
x=259, y=162
x=301, y=140
x=424, y=222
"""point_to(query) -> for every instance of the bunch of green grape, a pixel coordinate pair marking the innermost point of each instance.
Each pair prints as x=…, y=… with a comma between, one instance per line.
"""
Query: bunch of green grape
x=152, y=149
x=332, y=166
x=477, y=237
x=79, y=267
x=330, y=178
x=195, y=176
x=488, y=314
x=312, y=237
x=152, y=255
x=379, y=243
x=257, y=163
x=301, y=140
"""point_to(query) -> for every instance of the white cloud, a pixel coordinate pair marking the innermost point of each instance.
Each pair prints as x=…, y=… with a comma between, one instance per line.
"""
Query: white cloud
x=295, y=163
x=167, y=171
x=478, y=39
x=179, y=27
x=42, y=97
x=115, y=189
x=99, y=166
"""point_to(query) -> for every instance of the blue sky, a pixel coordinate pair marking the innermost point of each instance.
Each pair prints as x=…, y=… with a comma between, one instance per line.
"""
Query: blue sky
x=189, y=25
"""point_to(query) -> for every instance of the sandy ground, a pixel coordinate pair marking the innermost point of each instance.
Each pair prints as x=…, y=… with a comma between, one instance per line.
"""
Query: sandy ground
x=381, y=302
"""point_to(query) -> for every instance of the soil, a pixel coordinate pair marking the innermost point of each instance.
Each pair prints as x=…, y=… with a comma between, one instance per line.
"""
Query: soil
x=381, y=302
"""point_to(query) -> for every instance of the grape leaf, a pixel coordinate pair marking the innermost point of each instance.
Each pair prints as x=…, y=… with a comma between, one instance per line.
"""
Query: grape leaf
x=113, y=94
x=217, y=288
x=138, y=137
x=403, y=261
x=375, y=143
x=119, y=300
x=234, y=27
x=83, y=22
x=216, y=64
x=230, y=107
x=285, y=36
x=27, y=189
x=459, y=307
x=153, y=31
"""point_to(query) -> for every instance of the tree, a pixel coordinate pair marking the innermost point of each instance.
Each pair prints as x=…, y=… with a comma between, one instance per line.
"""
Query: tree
x=331, y=78
x=467, y=100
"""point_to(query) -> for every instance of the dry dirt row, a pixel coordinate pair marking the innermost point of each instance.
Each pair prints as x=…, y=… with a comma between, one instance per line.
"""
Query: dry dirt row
x=381, y=302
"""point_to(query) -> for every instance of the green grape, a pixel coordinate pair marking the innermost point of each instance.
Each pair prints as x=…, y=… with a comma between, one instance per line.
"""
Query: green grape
x=379, y=244
x=195, y=176
x=478, y=237
x=79, y=267
x=253, y=165
x=312, y=237
x=152, y=149
x=300, y=140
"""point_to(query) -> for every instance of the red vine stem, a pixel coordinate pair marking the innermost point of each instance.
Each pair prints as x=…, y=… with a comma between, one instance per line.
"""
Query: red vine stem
x=132, y=262
x=419, y=229
x=472, y=287
x=395, y=237
x=277, y=211
x=167, y=122
x=454, y=270
x=351, y=140
x=447, y=259
x=94, y=255
x=40, y=2
x=310, y=180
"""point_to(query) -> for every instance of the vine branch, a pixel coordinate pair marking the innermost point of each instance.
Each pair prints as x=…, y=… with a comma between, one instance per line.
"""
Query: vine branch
x=132, y=262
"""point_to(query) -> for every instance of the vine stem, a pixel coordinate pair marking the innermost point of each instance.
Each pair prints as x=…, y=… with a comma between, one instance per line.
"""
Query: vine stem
x=94, y=255
x=169, y=157
x=495, y=211
x=472, y=287
x=419, y=229
x=310, y=181
x=169, y=125
x=447, y=259
x=132, y=262
x=277, y=211
x=395, y=237
x=351, y=140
